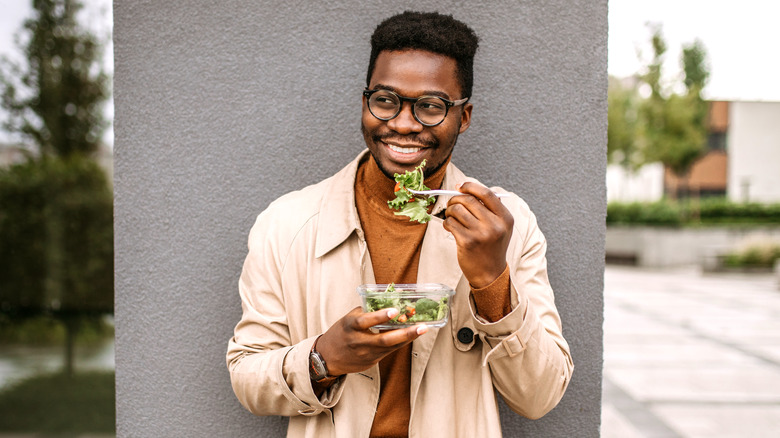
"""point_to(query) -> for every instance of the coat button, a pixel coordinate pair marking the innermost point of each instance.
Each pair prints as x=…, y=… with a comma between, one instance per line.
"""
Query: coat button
x=465, y=335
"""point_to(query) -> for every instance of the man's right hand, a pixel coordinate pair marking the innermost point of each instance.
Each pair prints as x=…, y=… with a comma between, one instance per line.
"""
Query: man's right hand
x=349, y=346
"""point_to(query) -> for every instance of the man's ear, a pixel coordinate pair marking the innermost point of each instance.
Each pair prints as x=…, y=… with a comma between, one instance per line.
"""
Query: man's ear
x=465, y=118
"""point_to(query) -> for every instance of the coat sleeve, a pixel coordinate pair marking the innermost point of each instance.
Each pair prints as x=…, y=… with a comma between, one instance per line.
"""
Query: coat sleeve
x=529, y=359
x=268, y=369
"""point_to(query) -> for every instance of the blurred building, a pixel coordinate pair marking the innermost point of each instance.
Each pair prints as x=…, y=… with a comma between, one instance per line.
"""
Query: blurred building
x=645, y=184
x=709, y=174
x=742, y=161
x=753, y=145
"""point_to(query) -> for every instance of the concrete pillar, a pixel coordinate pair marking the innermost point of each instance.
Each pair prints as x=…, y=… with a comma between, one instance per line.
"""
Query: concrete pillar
x=223, y=106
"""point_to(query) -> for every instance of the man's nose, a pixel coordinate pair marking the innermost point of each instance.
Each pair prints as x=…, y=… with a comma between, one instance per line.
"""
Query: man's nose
x=405, y=122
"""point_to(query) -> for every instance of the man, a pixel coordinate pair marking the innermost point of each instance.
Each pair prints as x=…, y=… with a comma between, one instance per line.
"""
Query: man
x=305, y=349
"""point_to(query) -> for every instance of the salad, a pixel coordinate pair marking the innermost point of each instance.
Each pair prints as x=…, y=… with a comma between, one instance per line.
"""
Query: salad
x=415, y=208
x=413, y=307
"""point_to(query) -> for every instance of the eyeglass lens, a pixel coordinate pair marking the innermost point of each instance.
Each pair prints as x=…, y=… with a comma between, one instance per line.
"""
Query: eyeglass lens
x=386, y=105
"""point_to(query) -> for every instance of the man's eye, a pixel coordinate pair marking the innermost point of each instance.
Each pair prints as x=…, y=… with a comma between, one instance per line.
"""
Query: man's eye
x=429, y=105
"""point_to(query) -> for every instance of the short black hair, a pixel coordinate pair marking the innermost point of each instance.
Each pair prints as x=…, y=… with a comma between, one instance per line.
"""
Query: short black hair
x=431, y=31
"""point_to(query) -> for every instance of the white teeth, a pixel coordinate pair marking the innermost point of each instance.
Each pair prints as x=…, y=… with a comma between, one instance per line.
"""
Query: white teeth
x=403, y=150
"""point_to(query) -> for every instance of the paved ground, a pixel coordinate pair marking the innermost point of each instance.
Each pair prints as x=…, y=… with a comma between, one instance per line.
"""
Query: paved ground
x=690, y=355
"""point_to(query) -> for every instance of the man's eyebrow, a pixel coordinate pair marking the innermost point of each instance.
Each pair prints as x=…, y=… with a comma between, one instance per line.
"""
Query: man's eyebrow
x=424, y=93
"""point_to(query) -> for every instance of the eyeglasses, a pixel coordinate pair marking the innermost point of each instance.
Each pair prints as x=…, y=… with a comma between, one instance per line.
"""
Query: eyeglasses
x=428, y=110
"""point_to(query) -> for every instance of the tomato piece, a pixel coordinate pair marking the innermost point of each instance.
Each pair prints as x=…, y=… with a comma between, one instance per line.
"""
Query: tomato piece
x=397, y=187
x=402, y=318
x=410, y=311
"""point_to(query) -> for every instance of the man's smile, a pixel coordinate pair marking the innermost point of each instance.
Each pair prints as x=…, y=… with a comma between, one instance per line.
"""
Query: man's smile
x=404, y=154
x=404, y=150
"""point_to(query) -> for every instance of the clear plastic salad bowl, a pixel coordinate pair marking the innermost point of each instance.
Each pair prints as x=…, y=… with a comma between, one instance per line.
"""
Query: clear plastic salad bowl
x=417, y=303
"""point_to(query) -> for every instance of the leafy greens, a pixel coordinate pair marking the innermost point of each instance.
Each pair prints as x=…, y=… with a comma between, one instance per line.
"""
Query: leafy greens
x=411, y=309
x=415, y=208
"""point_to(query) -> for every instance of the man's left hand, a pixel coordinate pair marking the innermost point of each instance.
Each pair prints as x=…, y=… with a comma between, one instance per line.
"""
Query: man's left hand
x=482, y=227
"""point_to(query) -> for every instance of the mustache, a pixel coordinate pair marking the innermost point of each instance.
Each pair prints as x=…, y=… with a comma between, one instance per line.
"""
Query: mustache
x=416, y=139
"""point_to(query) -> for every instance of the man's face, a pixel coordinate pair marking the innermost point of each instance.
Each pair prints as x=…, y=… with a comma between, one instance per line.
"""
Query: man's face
x=401, y=143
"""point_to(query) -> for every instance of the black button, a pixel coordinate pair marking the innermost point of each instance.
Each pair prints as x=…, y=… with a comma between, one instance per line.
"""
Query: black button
x=465, y=335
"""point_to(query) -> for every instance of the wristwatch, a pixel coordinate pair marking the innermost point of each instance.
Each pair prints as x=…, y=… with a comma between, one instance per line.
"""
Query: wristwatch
x=318, y=370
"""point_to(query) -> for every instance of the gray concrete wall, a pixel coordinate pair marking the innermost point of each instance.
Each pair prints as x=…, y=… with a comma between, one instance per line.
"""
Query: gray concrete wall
x=223, y=106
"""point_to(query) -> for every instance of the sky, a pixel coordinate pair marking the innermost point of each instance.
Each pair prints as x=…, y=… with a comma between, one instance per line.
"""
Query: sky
x=96, y=14
x=740, y=37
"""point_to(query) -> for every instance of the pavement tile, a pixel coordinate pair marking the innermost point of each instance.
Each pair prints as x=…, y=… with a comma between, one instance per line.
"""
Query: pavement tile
x=757, y=383
x=766, y=349
x=690, y=355
x=725, y=421
x=682, y=352
x=618, y=425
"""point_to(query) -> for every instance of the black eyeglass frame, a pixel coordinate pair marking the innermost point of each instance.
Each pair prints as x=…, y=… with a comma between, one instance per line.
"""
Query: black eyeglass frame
x=413, y=100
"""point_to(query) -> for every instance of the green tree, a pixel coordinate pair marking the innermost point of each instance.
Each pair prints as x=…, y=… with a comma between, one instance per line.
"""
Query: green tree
x=696, y=69
x=56, y=97
x=622, y=147
x=56, y=243
x=56, y=209
x=673, y=126
x=694, y=60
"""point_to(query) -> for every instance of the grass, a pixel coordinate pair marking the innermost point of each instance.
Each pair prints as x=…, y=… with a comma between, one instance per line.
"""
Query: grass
x=57, y=404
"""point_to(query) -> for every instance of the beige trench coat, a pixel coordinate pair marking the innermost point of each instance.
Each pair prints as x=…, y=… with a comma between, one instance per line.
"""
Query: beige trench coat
x=306, y=257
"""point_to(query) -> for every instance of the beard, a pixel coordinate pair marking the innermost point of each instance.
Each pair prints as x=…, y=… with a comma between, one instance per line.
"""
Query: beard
x=375, y=138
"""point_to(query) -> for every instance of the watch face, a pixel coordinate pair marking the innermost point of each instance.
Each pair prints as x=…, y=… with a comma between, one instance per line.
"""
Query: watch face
x=317, y=368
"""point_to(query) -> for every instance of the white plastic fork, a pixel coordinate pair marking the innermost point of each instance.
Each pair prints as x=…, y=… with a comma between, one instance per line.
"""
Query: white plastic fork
x=447, y=192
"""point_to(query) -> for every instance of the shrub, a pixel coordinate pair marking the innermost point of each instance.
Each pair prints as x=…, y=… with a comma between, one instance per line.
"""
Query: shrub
x=754, y=255
x=723, y=211
x=706, y=211
x=656, y=213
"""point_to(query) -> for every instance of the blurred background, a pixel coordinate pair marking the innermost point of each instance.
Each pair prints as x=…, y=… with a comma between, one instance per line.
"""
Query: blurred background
x=692, y=283
x=56, y=219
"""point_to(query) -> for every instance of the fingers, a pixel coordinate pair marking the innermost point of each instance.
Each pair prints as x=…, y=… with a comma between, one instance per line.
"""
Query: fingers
x=399, y=337
x=388, y=338
x=349, y=346
x=482, y=227
x=482, y=209
x=364, y=321
x=484, y=195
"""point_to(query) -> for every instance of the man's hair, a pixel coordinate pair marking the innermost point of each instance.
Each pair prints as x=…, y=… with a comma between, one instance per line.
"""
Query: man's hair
x=429, y=31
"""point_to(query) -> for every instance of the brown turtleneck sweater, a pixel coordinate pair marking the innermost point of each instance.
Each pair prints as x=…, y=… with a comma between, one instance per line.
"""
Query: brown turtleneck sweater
x=394, y=243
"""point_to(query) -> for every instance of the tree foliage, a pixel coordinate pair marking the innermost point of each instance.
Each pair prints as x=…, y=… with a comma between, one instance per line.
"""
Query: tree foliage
x=674, y=125
x=55, y=98
x=56, y=235
x=694, y=60
x=622, y=147
x=56, y=243
x=663, y=125
x=56, y=209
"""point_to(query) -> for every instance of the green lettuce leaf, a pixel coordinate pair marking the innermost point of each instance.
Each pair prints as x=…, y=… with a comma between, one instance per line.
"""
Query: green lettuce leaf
x=414, y=208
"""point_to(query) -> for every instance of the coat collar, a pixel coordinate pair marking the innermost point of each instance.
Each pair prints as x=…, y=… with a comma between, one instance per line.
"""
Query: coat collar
x=338, y=215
